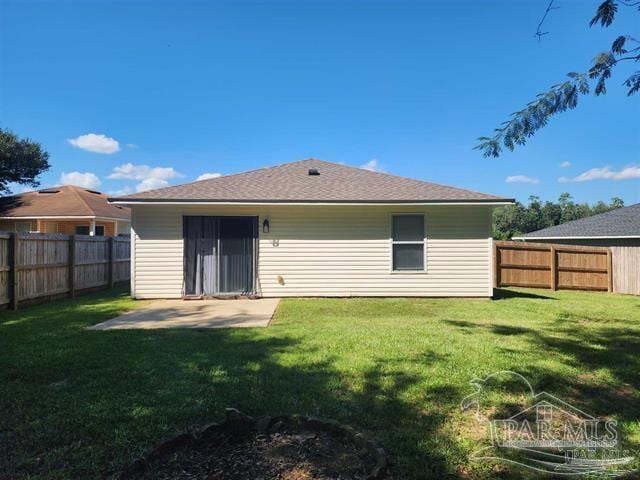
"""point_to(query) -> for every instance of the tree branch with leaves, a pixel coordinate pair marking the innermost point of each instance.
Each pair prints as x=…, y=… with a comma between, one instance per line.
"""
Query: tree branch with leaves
x=561, y=97
x=21, y=161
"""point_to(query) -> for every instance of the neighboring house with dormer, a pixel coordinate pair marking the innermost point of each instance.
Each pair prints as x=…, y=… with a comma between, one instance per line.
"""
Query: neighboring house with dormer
x=66, y=209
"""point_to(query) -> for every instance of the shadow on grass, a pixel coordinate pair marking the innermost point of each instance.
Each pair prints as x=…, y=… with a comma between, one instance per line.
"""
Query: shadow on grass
x=84, y=403
x=610, y=350
x=606, y=358
x=81, y=404
x=503, y=294
x=499, y=329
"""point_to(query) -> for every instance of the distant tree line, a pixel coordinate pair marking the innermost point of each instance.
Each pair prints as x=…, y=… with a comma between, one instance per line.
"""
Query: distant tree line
x=516, y=219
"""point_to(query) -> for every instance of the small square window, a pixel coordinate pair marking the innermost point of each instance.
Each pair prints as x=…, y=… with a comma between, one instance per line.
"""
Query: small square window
x=99, y=230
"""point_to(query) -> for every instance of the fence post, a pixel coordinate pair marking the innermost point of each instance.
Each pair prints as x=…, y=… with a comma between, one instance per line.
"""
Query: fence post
x=554, y=268
x=72, y=266
x=14, y=245
x=110, y=254
x=609, y=271
x=496, y=265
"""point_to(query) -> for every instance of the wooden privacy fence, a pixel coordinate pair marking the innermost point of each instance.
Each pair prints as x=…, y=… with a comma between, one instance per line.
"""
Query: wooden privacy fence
x=543, y=265
x=41, y=265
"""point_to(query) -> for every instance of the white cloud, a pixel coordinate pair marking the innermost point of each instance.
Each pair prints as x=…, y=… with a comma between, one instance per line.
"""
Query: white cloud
x=207, y=176
x=121, y=192
x=132, y=145
x=521, y=179
x=628, y=173
x=373, y=166
x=151, y=184
x=96, y=143
x=565, y=164
x=604, y=173
x=129, y=171
x=150, y=177
x=86, y=179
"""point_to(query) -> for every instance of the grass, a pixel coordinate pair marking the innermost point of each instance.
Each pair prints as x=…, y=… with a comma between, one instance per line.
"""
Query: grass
x=80, y=404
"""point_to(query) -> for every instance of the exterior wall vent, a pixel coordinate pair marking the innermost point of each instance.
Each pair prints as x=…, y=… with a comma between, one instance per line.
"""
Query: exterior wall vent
x=313, y=171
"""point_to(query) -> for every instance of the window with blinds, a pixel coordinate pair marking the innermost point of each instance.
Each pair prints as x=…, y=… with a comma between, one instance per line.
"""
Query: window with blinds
x=408, y=243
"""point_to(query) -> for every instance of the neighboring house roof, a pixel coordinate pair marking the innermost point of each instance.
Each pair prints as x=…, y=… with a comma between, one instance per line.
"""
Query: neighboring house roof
x=292, y=182
x=67, y=200
x=621, y=222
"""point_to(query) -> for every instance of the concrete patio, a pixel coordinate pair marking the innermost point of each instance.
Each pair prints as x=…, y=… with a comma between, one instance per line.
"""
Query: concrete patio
x=195, y=314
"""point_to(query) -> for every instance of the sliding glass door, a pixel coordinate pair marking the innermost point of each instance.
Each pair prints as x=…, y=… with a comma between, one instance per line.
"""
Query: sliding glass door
x=219, y=255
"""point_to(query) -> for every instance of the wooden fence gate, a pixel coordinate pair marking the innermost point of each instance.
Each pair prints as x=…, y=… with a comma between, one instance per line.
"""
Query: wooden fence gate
x=626, y=270
x=42, y=265
x=544, y=265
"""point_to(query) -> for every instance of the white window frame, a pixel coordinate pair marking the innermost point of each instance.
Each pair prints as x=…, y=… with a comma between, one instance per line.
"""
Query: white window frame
x=423, y=270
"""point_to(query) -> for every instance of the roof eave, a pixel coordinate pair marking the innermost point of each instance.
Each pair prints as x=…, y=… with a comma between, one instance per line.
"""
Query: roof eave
x=575, y=237
x=65, y=217
x=167, y=201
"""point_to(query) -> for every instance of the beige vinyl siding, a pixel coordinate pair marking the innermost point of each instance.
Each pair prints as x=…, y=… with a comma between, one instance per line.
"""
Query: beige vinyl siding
x=328, y=250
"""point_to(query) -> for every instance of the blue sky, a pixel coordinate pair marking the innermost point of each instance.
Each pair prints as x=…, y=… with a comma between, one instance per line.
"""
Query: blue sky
x=188, y=88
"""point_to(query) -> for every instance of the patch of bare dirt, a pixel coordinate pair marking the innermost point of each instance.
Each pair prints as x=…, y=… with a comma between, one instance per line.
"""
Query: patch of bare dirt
x=282, y=455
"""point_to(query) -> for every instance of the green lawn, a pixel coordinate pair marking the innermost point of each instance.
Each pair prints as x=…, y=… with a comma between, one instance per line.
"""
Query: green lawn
x=79, y=404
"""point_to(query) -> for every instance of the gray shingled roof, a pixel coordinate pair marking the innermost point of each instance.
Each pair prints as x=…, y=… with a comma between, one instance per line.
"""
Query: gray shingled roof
x=291, y=182
x=622, y=222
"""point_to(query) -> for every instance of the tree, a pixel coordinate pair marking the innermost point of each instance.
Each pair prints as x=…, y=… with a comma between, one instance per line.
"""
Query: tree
x=617, y=202
x=21, y=161
x=517, y=219
x=524, y=123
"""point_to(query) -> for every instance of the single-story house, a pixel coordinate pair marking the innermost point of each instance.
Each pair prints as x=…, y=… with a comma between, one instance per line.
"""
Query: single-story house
x=311, y=228
x=66, y=209
x=616, y=228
